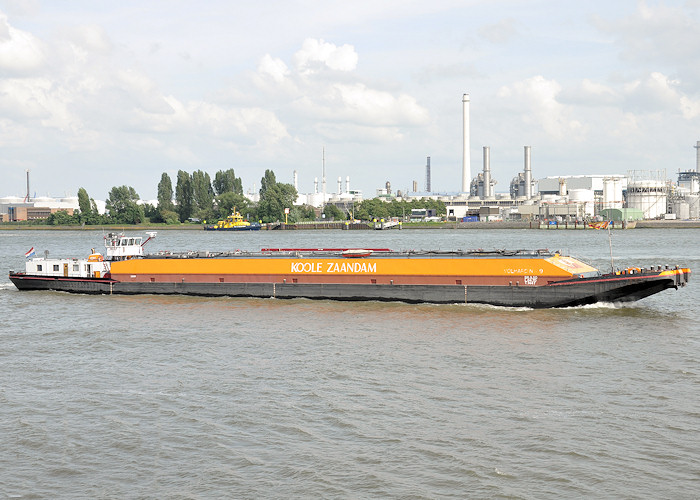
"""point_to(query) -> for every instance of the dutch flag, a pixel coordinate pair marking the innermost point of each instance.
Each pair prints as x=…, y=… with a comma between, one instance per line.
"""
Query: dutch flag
x=30, y=253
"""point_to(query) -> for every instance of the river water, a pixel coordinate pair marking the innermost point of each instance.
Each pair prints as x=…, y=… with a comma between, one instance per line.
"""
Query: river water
x=186, y=397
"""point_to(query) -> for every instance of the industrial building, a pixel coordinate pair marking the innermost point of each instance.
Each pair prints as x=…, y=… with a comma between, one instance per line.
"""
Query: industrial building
x=636, y=195
x=13, y=209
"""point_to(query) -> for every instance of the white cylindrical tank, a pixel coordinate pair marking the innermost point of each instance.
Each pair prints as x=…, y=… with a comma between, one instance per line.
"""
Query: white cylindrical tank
x=693, y=206
x=581, y=195
x=612, y=193
x=585, y=198
x=682, y=209
x=649, y=196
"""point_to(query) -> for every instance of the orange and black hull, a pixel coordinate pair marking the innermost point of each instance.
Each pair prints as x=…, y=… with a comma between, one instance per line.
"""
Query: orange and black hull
x=531, y=280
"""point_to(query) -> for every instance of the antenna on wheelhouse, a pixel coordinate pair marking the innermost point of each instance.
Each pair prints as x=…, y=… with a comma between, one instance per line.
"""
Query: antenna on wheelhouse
x=612, y=262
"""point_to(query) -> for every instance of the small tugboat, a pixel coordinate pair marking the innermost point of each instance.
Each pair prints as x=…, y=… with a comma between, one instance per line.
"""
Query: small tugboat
x=234, y=222
x=517, y=278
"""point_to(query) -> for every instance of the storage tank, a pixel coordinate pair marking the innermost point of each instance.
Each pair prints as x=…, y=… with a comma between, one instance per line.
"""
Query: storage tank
x=612, y=193
x=585, y=198
x=693, y=206
x=681, y=208
x=649, y=196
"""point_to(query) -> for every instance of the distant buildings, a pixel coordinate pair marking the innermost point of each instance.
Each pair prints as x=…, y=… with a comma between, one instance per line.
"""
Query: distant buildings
x=13, y=208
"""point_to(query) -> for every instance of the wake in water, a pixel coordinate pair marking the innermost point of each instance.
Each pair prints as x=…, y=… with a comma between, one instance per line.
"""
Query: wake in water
x=597, y=305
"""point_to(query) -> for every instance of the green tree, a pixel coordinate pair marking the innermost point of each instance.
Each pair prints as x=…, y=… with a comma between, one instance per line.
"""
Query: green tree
x=225, y=181
x=165, y=193
x=302, y=213
x=184, y=195
x=169, y=217
x=202, y=190
x=373, y=208
x=229, y=201
x=84, y=201
x=333, y=213
x=151, y=213
x=61, y=218
x=123, y=207
x=274, y=198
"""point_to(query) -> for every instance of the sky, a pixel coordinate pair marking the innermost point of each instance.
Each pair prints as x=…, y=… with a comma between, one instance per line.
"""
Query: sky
x=97, y=94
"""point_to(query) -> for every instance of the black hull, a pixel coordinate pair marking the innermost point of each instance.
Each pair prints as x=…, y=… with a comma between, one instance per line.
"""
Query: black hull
x=576, y=292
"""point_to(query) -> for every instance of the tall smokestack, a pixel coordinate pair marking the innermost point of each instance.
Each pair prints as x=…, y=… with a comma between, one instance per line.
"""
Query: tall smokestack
x=27, y=199
x=697, y=161
x=427, y=176
x=323, y=179
x=347, y=184
x=340, y=185
x=316, y=185
x=528, y=174
x=296, y=181
x=487, y=172
x=466, y=165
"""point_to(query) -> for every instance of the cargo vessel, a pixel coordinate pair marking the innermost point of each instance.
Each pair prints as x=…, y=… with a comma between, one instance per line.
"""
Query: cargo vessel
x=518, y=278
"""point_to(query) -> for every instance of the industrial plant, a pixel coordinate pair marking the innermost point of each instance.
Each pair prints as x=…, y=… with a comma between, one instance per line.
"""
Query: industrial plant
x=637, y=195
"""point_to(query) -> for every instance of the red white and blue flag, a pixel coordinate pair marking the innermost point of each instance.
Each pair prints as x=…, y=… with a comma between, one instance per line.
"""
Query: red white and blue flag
x=30, y=253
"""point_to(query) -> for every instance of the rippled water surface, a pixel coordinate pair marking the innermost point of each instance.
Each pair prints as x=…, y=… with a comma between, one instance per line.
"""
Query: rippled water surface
x=186, y=397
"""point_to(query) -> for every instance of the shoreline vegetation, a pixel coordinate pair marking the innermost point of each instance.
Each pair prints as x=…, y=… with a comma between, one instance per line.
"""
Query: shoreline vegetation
x=642, y=224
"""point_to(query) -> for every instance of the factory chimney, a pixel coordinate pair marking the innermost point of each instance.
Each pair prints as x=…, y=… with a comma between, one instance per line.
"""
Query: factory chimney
x=427, y=176
x=316, y=185
x=340, y=185
x=323, y=179
x=466, y=166
x=528, y=174
x=27, y=198
x=487, y=172
x=347, y=184
x=697, y=161
x=296, y=181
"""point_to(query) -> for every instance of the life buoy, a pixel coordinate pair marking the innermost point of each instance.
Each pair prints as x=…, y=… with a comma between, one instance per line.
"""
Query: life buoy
x=95, y=257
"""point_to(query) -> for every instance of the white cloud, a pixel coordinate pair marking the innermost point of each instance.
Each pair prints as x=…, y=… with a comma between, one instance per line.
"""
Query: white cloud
x=652, y=94
x=274, y=68
x=331, y=98
x=589, y=93
x=316, y=55
x=536, y=98
x=659, y=35
x=20, y=52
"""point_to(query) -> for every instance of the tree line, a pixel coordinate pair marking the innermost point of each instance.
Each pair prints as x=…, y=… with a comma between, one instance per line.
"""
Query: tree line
x=198, y=197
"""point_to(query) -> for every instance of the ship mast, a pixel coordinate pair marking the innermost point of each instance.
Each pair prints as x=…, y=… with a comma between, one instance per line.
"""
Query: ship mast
x=612, y=262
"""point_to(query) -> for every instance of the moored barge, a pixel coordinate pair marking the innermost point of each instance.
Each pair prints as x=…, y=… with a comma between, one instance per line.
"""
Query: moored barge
x=520, y=278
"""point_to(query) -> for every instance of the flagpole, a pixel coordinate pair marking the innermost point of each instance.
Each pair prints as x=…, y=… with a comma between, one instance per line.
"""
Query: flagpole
x=612, y=262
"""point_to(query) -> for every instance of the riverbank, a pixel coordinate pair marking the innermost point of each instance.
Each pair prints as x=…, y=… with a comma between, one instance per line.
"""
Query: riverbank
x=646, y=224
